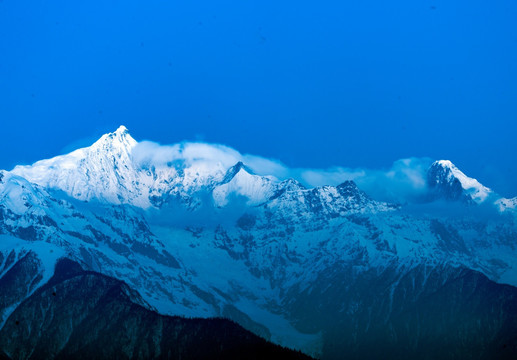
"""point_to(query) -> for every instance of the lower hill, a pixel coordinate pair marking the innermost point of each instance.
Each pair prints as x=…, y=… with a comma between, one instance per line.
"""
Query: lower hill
x=85, y=315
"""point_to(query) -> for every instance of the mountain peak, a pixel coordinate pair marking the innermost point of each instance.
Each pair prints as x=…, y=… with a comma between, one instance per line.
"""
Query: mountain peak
x=444, y=163
x=451, y=183
x=240, y=180
x=118, y=141
x=121, y=133
x=234, y=170
x=122, y=130
x=349, y=188
x=104, y=171
x=348, y=184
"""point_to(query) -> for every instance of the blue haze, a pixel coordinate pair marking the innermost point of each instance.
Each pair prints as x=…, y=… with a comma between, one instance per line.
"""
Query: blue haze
x=314, y=84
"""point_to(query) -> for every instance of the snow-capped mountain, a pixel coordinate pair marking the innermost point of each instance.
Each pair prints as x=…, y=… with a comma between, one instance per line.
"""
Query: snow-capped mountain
x=327, y=270
x=451, y=183
x=240, y=180
x=108, y=171
x=102, y=171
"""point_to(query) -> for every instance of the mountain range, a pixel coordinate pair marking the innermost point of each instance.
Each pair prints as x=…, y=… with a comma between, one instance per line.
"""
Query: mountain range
x=158, y=237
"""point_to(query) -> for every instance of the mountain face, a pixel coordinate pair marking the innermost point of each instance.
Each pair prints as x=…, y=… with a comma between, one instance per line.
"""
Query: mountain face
x=449, y=182
x=326, y=270
x=85, y=315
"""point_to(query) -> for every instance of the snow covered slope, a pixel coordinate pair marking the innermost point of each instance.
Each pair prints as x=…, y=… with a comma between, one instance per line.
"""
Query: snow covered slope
x=451, y=183
x=102, y=171
x=240, y=180
x=201, y=235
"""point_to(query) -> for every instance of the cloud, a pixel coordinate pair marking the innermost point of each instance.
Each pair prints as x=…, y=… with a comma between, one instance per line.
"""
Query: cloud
x=263, y=166
x=149, y=153
x=403, y=182
x=333, y=176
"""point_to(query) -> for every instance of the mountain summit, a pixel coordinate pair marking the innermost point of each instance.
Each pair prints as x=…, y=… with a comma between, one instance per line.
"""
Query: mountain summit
x=450, y=183
x=102, y=171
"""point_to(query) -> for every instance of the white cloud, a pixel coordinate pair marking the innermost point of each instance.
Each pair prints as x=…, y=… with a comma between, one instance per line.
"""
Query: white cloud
x=404, y=181
x=150, y=153
x=332, y=176
x=263, y=166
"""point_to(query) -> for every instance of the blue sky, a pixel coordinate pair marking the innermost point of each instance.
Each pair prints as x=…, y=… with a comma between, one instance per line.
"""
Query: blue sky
x=314, y=84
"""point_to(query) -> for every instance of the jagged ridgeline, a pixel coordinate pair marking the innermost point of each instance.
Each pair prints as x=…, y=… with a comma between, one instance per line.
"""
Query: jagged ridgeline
x=134, y=250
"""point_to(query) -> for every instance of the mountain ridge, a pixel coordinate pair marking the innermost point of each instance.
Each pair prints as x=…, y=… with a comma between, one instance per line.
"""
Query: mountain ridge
x=105, y=319
x=108, y=170
x=201, y=235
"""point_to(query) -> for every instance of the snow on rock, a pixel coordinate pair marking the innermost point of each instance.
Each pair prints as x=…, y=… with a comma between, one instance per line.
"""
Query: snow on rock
x=111, y=171
x=278, y=246
x=19, y=195
x=102, y=171
x=240, y=180
x=453, y=184
x=507, y=204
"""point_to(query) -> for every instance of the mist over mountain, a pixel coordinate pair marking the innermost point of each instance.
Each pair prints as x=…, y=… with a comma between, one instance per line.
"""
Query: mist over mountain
x=419, y=260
